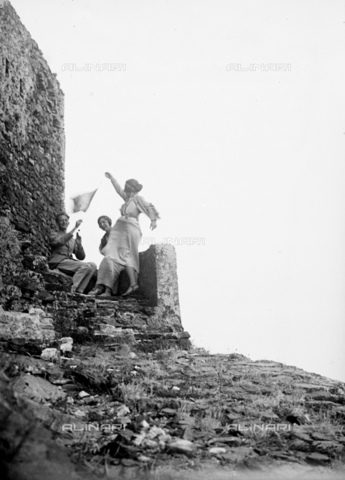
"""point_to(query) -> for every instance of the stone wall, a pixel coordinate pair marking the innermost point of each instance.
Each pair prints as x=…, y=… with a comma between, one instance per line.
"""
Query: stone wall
x=158, y=281
x=31, y=135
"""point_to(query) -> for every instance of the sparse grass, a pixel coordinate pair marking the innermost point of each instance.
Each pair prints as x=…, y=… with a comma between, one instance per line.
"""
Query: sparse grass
x=184, y=409
x=328, y=425
x=207, y=424
x=152, y=385
x=167, y=355
x=267, y=437
x=124, y=350
x=153, y=370
x=268, y=401
x=204, y=400
x=133, y=391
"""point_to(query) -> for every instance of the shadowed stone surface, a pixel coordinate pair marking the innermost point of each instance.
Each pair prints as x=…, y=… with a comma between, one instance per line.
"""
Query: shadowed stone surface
x=27, y=449
x=158, y=281
x=31, y=134
x=205, y=414
x=35, y=326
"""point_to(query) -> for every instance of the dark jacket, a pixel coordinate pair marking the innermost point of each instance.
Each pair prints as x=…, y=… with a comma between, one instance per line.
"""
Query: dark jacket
x=104, y=241
x=62, y=249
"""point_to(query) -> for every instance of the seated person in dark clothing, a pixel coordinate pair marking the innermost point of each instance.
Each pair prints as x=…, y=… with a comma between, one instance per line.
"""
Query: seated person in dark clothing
x=63, y=247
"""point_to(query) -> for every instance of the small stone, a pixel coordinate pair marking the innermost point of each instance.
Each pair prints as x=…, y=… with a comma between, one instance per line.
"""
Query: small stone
x=79, y=414
x=319, y=458
x=139, y=439
x=50, y=354
x=148, y=443
x=176, y=389
x=155, y=432
x=60, y=381
x=83, y=329
x=142, y=458
x=217, y=450
x=144, y=424
x=132, y=355
x=83, y=394
x=36, y=371
x=90, y=401
x=182, y=446
x=170, y=412
x=66, y=344
x=37, y=311
x=122, y=411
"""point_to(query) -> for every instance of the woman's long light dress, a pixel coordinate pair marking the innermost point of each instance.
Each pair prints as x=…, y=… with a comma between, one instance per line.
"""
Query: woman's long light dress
x=122, y=248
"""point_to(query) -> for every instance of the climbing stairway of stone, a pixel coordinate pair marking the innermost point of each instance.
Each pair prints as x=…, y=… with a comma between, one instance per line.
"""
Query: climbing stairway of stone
x=46, y=310
x=115, y=321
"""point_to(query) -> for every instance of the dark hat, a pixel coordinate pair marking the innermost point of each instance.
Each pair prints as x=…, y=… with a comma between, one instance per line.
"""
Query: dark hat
x=133, y=185
x=60, y=214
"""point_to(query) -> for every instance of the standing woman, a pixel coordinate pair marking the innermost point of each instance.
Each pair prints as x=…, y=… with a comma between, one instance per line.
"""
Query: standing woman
x=123, y=239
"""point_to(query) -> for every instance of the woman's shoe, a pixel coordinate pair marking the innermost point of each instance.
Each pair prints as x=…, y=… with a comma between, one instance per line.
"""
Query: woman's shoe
x=131, y=289
x=106, y=294
x=96, y=291
x=74, y=291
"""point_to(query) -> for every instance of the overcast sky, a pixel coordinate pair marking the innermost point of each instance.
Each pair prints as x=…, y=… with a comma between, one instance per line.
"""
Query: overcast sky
x=231, y=114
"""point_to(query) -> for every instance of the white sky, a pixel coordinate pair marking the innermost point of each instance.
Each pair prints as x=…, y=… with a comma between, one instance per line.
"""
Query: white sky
x=252, y=162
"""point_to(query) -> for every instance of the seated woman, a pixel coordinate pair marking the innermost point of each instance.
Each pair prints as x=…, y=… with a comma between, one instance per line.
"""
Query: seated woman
x=122, y=247
x=109, y=269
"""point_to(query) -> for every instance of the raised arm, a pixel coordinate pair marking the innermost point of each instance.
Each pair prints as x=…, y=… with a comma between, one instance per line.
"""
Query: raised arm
x=116, y=185
x=56, y=239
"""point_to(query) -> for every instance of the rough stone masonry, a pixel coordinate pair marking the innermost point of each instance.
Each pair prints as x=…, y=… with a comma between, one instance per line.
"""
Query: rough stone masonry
x=32, y=142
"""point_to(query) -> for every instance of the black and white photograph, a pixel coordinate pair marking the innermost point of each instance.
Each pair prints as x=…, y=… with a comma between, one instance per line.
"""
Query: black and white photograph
x=172, y=239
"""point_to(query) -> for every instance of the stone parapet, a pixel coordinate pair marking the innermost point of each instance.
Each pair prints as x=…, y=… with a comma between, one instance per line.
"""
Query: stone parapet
x=159, y=283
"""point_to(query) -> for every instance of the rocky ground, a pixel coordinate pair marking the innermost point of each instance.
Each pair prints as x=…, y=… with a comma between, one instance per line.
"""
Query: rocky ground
x=113, y=409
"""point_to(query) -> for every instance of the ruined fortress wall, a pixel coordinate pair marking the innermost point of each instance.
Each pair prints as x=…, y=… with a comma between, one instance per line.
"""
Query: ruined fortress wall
x=31, y=134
